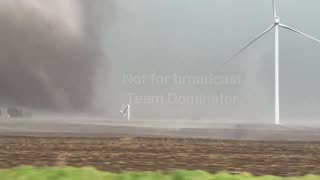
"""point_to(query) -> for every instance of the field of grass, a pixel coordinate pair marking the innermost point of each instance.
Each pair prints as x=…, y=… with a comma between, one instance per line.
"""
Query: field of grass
x=69, y=173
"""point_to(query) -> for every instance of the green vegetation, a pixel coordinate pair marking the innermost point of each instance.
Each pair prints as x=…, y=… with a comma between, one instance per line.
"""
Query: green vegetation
x=69, y=173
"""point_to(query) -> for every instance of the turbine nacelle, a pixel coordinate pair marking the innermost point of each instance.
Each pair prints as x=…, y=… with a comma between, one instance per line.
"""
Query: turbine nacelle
x=277, y=20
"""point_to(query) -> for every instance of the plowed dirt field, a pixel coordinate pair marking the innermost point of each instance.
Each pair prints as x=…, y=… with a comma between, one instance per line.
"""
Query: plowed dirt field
x=150, y=154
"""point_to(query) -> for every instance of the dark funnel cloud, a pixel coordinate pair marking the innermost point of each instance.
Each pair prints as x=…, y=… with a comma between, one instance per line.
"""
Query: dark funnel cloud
x=47, y=56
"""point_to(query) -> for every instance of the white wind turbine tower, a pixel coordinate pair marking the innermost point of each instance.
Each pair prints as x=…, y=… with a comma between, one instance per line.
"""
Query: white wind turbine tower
x=276, y=26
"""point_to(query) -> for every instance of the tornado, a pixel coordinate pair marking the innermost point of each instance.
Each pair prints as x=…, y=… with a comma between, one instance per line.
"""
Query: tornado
x=47, y=58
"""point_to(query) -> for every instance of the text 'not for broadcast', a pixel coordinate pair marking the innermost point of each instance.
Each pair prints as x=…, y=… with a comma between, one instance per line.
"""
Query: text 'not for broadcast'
x=178, y=79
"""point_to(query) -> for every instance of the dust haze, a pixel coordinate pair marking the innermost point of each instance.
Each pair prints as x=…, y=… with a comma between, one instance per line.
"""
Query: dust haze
x=156, y=40
x=162, y=57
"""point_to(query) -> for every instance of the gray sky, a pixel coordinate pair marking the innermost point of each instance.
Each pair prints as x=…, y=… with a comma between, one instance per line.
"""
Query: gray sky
x=161, y=56
x=193, y=37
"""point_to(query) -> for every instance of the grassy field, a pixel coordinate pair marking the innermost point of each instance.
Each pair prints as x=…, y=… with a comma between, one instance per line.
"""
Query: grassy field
x=69, y=173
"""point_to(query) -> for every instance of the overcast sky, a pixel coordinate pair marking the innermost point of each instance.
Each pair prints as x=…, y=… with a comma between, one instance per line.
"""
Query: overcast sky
x=193, y=37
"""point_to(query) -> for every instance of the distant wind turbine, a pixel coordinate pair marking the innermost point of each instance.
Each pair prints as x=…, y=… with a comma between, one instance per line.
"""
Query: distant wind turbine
x=276, y=26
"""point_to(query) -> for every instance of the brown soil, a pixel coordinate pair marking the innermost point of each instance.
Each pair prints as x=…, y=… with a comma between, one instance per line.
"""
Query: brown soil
x=149, y=154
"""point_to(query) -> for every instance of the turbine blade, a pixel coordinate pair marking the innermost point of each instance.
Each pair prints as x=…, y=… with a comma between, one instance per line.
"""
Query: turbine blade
x=299, y=32
x=274, y=8
x=250, y=43
x=124, y=111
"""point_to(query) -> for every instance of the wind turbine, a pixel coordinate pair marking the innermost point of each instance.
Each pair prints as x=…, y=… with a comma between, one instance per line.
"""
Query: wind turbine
x=126, y=111
x=276, y=25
